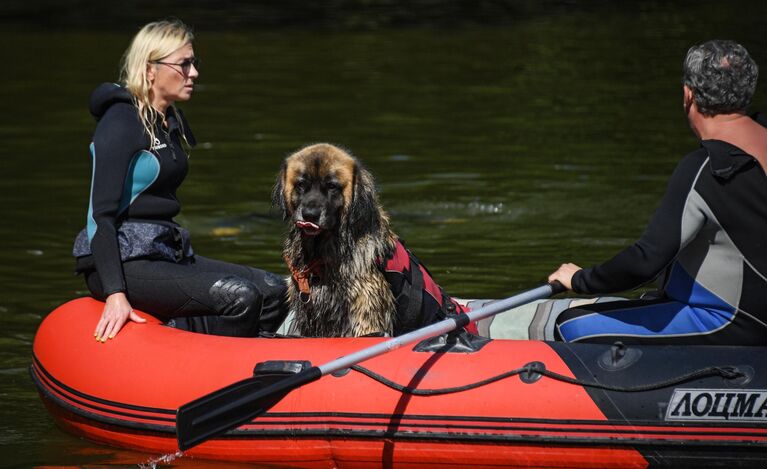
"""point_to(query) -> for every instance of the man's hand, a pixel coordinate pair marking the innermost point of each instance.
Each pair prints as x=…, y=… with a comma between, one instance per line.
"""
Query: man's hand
x=565, y=275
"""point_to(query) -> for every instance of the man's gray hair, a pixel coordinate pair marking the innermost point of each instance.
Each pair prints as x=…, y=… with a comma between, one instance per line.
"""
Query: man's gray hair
x=721, y=75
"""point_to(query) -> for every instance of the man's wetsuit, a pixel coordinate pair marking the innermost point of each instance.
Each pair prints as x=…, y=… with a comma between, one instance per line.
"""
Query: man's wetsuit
x=709, y=235
x=131, y=243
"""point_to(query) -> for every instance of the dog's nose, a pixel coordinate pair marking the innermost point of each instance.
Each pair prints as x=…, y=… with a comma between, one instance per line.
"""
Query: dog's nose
x=311, y=213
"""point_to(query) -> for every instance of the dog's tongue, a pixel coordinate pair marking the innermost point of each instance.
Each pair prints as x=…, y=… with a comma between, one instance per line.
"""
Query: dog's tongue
x=307, y=225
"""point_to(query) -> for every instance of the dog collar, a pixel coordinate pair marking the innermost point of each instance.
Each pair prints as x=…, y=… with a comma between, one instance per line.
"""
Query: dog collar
x=303, y=276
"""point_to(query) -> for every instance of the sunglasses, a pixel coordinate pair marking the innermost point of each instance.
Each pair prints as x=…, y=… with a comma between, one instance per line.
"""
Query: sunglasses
x=186, y=65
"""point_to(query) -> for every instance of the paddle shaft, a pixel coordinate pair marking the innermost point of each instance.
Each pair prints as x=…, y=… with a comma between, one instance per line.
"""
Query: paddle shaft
x=446, y=325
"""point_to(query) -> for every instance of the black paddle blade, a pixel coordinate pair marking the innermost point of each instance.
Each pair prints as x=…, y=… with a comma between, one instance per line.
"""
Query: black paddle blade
x=234, y=405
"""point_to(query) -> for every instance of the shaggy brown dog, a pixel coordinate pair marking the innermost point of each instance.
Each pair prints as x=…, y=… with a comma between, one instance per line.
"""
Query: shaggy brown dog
x=338, y=235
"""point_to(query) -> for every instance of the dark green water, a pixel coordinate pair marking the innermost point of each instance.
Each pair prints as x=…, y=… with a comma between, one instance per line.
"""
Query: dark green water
x=500, y=151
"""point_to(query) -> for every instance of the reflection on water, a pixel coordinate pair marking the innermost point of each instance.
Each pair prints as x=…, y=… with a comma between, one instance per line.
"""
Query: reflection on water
x=499, y=152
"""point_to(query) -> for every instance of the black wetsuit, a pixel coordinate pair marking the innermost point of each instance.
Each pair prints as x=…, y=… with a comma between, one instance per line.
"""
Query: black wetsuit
x=709, y=236
x=131, y=243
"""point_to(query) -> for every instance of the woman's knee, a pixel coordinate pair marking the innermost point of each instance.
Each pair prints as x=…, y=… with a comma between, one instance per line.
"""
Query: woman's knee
x=234, y=295
x=236, y=304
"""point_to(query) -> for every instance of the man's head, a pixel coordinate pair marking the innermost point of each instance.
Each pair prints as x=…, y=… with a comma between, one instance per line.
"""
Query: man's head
x=721, y=76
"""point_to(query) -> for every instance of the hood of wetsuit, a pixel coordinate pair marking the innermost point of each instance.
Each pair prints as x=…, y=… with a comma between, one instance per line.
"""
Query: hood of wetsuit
x=107, y=94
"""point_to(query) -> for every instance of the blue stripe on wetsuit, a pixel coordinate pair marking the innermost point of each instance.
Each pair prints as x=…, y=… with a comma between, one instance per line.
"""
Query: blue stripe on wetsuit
x=673, y=318
x=142, y=172
x=91, y=221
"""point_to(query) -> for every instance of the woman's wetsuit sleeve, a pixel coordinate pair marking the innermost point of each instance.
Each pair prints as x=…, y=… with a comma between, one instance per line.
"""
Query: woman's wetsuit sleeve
x=118, y=137
x=659, y=244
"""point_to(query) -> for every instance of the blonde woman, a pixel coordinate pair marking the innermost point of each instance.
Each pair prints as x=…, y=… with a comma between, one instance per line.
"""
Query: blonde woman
x=131, y=252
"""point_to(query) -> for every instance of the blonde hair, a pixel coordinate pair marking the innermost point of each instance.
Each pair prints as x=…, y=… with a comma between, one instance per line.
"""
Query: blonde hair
x=153, y=42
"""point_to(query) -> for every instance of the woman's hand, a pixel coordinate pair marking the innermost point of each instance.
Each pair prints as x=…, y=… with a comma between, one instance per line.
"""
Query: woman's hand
x=117, y=312
x=564, y=274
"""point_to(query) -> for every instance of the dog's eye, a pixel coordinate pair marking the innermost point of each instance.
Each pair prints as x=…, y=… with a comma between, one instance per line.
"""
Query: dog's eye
x=332, y=186
x=302, y=185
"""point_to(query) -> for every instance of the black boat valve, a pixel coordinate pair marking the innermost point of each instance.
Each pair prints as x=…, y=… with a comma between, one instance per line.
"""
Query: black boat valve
x=532, y=372
x=619, y=357
x=618, y=351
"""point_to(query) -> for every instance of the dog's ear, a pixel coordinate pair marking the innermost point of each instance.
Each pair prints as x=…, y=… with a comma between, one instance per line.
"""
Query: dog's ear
x=364, y=211
x=278, y=192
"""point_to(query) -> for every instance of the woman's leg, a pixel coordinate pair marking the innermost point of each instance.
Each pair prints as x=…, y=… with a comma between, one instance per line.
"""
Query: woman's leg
x=205, y=295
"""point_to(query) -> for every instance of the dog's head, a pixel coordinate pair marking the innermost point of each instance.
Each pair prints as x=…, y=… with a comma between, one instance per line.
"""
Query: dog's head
x=322, y=189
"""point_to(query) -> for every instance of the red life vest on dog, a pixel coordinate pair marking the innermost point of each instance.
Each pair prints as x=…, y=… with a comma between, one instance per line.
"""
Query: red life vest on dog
x=420, y=301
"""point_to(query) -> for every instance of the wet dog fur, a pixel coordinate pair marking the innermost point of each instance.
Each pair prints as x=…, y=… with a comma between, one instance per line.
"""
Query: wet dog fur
x=337, y=234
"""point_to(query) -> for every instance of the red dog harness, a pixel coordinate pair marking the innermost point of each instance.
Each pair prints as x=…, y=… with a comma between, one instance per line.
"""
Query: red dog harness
x=420, y=301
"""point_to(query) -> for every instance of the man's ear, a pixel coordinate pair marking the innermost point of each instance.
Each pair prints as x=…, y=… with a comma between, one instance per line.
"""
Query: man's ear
x=688, y=99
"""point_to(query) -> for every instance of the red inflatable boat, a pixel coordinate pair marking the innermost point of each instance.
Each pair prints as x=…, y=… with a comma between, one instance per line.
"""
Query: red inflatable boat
x=506, y=403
